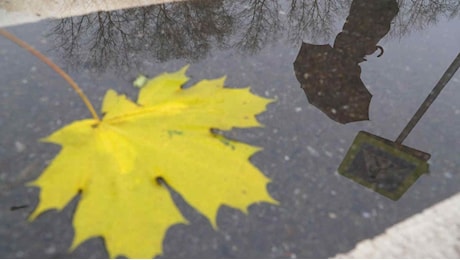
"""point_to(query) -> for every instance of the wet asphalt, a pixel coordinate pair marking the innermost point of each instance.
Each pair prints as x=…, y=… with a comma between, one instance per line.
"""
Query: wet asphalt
x=321, y=213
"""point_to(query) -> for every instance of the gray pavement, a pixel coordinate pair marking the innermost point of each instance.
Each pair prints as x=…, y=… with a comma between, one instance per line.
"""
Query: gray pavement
x=321, y=213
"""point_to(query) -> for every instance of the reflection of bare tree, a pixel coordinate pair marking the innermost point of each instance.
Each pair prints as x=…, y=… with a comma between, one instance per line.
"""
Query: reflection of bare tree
x=416, y=15
x=190, y=29
x=258, y=21
x=167, y=31
x=314, y=18
x=98, y=37
x=187, y=30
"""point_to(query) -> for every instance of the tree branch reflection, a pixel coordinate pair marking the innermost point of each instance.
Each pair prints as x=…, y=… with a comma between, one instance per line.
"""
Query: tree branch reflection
x=259, y=22
x=191, y=29
x=167, y=31
x=314, y=19
x=417, y=15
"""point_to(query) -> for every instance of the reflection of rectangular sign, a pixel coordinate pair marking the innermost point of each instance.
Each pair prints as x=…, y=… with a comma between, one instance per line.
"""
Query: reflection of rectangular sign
x=383, y=166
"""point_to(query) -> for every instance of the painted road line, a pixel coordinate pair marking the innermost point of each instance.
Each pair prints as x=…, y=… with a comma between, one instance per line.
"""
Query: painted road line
x=434, y=233
x=25, y=11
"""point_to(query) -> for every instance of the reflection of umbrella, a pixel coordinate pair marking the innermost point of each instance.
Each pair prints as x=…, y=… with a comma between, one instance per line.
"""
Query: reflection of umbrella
x=332, y=83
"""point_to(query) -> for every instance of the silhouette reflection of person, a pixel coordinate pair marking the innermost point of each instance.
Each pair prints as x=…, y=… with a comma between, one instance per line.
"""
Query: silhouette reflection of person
x=331, y=76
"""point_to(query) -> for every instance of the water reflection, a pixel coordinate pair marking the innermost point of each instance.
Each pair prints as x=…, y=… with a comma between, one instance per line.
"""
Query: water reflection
x=332, y=83
x=382, y=165
x=192, y=29
x=417, y=15
x=387, y=167
x=331, y=76
x=314, y=19
x=165, y=31
x=259, y=23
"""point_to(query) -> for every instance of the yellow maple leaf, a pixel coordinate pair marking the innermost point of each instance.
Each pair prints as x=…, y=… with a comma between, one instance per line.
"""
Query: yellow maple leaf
x=116, y=163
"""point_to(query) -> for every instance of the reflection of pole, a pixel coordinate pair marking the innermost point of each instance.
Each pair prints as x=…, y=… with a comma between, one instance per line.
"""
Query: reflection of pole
x=429, y=100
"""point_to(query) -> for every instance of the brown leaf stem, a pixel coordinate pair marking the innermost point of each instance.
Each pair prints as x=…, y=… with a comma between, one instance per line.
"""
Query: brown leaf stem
x=55, y=67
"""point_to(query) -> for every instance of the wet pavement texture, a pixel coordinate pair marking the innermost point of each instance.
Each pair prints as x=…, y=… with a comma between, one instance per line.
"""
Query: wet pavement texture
x=254, y=43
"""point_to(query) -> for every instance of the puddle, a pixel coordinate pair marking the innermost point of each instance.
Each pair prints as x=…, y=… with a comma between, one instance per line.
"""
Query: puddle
x=254, y=43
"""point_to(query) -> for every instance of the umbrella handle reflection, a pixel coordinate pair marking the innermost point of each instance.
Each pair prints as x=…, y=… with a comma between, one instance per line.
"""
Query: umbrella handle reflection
x=380, y=48
x=381, y=51
x=430, y=99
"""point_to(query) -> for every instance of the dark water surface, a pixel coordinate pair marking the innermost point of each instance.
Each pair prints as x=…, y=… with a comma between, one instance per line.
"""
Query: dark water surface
x=254, y=43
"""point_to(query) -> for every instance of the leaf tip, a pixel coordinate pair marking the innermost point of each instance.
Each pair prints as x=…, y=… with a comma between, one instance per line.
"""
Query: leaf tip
x=46, y=139
x=72, y=247
x=35, y=213
x=33, y=216
x=184, y=69
x=213, y=222
x=181, y=74
x=31, y=184
x=222, y=79
x=271, y=200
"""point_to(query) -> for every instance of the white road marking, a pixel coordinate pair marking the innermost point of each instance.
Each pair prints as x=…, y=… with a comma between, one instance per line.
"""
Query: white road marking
x=434, y=233
x=25, y=11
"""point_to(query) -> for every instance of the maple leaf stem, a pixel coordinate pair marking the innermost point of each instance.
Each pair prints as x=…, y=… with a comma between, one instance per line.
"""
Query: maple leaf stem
x=55, y=67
